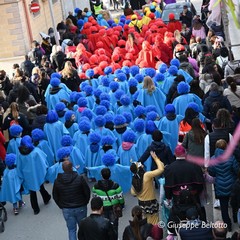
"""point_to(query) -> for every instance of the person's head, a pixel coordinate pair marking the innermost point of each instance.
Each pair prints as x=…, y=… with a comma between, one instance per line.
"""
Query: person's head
x=106, y=173
x=14, y=109
x=231, y=83
x=222, y=144
x=157, y=136
x=199, y=133
x=185, y=8
x=97, y=204
x=137, y=213
x=220, y=230
x=225, y=118
x=23, y=94
x=180, y=151
x=67, y=166
x=191, y=213
x=148, y=84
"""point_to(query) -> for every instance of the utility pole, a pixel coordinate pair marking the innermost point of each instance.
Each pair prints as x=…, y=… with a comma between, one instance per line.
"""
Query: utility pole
x=74, y=4
x=53, y=22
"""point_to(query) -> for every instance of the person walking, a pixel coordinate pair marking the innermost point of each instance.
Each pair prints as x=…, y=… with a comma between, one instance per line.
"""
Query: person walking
x=96, y=227
x=72, y=194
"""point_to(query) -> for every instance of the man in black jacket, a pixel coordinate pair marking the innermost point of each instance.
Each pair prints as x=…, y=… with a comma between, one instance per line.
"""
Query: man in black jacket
x=71, y=193
x=96, y=227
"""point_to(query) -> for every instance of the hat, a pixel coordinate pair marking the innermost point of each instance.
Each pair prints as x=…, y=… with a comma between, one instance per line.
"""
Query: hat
x=152, y=116
x=76, y=10
x=108, y=159
x=118, y=94
x=107, y=140
x=84, y=126
x=108, y=117
x=88, y=90
x=173, y=70
x=60, y=107
x=87, y=113
x=169, y=108
x=106, y=104
x=63, y=152
x=37, y=134
x=122, y=77
x=105, y=81
x=194, y=106
x=180, y=151
x=139, y=77
x=134, y=70
x=132, y=82
x=100, y=120
x=126, y=70
x=151, y=108
x=108, y=70
x=134, y=17
x=183, y=87
x=97, y=93
x=80, y=23
x=66, y=141
x=163, y=68
x=69, y=114
x=55, y=82
x=26, y=141
x=139, y=125
x=125, y=100
x=139, y=110
x=119, y=121
x=114, y=85
x=150, y=72
x=10, y=159
x=159, y=77
x=104, y=96
x=52, y=117
x=94, y=137
x=89, y=73
x=15, y=130
x=150, y=127
x=214, y=87
x=175, y=62
x=82, y=102
x=128, y=117
x=129, y=136
x=171, y=16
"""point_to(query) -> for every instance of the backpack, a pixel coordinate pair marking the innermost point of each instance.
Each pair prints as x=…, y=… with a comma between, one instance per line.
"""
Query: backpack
x=214, y=107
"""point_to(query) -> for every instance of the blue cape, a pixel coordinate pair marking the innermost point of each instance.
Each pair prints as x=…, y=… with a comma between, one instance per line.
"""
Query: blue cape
x=127, y=156
x=74, y=128
x=13, y=145
x=44, y=146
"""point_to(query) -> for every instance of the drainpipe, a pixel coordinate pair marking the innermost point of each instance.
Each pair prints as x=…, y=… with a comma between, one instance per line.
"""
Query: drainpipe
x=29, y=29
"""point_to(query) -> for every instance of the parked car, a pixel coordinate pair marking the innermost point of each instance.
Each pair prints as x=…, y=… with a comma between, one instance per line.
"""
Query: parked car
x=177, y=8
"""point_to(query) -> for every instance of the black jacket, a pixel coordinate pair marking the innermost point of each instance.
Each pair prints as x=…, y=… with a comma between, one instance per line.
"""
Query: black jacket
x=162, y=151
x=70, y=190
x=72, y=82
x=96, y=227
x=145, y=230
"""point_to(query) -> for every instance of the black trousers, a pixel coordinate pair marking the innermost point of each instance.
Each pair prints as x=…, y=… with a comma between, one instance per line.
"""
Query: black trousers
x=34, y=200
x=224, y=210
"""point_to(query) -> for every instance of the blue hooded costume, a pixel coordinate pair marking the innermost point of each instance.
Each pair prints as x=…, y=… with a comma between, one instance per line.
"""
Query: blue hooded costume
x=13, y=145
x=54, y=130
x=11, y=183
x=170, y=123
x=122, y=81
x=39, y=141
x=89, y=97
x=70, y=123
x=60, y=108
x=76, y=157
x=92, y=156
x=31, y=165
x=127, y=150
x=92, y=81
x=126, y=105
x=181, y=102
x=156, y=98
x=56, y=94
x=119, y=174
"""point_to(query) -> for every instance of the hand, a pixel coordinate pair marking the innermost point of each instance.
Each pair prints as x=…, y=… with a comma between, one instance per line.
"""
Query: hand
x=153, y=154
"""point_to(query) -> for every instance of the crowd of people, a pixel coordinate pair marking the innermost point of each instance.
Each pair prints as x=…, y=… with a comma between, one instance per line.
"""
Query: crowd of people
x=123, y=101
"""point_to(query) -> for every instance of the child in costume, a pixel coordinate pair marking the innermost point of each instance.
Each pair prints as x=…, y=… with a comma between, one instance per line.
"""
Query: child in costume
x=70, y=122
x=60, y=108
x=126, y=105
x=16, y=133
x=38, y=137
x=127, y=150
x=11, y=184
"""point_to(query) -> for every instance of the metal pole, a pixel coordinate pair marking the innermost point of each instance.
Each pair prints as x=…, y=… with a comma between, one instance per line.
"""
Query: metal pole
x=53, y=22
x=74, y=4
x=225, y=22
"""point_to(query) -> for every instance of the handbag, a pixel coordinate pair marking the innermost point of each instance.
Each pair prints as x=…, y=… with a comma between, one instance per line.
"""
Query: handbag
x=117, y=208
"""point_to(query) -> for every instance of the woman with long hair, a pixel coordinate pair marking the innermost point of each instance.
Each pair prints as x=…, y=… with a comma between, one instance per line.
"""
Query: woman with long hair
x=132, y=44
x=138, y=228
x=70, y=26
x=226, y=120
x=70, y=76
x=193, y=141
x=150, y=95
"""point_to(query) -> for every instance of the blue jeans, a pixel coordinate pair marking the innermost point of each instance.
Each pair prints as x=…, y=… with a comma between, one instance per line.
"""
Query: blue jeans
x=73, y=216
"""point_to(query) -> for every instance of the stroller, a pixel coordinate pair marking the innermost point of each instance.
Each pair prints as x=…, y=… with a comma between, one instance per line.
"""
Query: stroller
x=3, y=216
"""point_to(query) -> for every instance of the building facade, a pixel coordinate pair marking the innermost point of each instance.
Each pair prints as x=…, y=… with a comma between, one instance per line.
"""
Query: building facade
x=20, y=26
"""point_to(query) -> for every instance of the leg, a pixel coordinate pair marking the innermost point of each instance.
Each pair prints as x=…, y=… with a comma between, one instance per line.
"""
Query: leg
x=69, y=217
x=224, y=210
x=80, y=213
x=34, y=202
x=45, y=195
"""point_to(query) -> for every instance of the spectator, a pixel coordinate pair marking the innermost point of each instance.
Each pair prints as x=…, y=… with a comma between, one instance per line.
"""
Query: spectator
x=186, y=17
x=27, y=66
x=96, y=226
x=71, y=193
x=219, y=231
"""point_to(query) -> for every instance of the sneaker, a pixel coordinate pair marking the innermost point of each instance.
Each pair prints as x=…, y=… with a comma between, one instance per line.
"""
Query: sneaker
x=48, y=199
x=21, y=204
x=216, y=204
x=16, y=211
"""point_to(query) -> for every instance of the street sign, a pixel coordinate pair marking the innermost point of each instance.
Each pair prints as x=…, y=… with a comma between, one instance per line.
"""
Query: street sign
x=35, y=7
